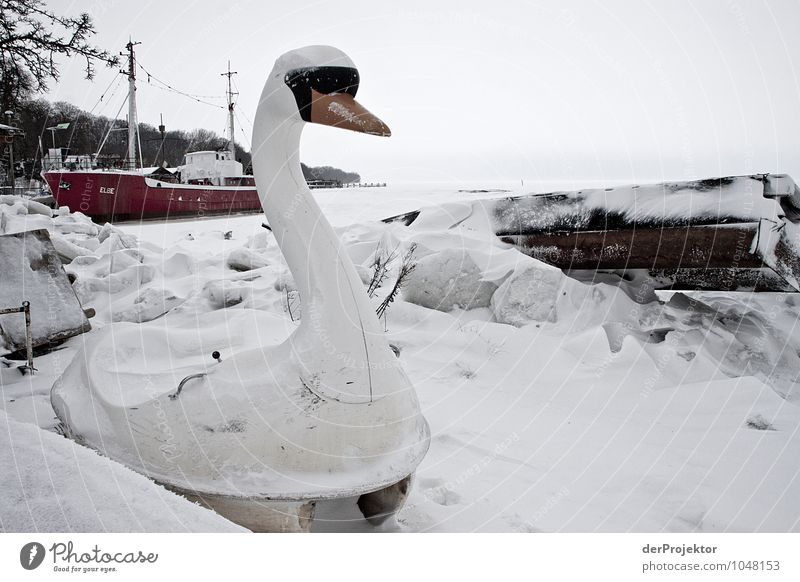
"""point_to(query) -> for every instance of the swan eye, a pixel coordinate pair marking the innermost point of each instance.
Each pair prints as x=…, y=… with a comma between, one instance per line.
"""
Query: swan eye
x=324, y=80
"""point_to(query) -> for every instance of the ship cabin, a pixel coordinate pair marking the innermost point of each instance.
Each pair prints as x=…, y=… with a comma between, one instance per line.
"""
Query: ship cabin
x=213, y=168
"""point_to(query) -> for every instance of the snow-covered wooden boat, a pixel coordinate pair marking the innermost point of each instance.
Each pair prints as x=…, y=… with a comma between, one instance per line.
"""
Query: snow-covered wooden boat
x=31, y=273
x=732, y=233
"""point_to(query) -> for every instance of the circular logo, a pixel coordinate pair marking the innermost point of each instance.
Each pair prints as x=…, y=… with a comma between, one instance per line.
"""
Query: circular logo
x=31, y=555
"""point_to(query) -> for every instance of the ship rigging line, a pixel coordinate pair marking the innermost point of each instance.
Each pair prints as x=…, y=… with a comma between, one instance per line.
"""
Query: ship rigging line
x=118, y=78
x=168, y=87
x=247, y=119
x=74, y=124
x=241, y=128
x=109, y=129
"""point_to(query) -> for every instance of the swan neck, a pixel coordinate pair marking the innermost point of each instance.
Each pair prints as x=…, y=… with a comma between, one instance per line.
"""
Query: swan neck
x=280, y=170
x=340, y=340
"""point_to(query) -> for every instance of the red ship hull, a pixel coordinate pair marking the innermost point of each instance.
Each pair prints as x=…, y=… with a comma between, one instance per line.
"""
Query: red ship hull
x=117, y=196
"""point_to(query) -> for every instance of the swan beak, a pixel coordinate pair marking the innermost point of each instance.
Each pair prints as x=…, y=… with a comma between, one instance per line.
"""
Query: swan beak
x=342, y=110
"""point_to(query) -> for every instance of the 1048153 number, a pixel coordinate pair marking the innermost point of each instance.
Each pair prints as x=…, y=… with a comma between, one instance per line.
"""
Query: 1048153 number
x=755, y=565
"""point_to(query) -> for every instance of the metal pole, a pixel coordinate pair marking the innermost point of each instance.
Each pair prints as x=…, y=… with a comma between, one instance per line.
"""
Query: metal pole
x=9, y=114
x=163, y=130
x=26, y=309
x=230, y=94
x=28, y=339
x=11, y=165
x=132, y=121
x=41, y=158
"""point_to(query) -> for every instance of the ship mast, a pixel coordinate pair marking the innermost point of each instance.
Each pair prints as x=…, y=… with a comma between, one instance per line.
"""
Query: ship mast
x=132, y=121
x=230, y=94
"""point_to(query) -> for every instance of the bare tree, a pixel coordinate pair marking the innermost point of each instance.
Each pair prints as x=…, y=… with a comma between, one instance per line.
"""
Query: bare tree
x=31, y=38
x=204, y=140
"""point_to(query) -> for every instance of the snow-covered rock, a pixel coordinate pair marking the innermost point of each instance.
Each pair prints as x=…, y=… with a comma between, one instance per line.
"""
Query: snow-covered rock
x=243, y=259
x=448, y=279
x=529, y=294
x=221, y=294
x=179, y=264
x=150, y=304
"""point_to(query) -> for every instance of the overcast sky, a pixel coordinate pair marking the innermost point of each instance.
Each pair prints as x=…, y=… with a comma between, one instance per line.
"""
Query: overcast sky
x=490, y=90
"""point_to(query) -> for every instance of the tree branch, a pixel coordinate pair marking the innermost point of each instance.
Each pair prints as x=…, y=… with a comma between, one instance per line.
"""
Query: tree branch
x=32, y=40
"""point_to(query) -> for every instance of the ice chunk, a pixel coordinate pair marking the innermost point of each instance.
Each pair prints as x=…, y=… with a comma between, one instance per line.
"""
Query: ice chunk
x=76, y=223
x=223, y=294
x=243, y=259
x=67, y=251
x=14, y=218
x=529, y=294
x=448, y=279
x=150, y=304
x=31, y=206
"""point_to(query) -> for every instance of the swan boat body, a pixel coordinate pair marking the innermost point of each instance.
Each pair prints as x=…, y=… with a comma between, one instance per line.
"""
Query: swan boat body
x=266, y=432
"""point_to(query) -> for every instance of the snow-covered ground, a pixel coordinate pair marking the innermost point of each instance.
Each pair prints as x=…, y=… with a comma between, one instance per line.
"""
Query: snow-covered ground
x=554, y=405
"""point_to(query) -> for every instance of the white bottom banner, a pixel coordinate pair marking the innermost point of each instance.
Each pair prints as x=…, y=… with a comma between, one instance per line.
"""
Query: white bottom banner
x=400, y=556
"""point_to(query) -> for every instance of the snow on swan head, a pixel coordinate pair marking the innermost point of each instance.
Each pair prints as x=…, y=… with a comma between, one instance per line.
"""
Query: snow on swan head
x=318, y=84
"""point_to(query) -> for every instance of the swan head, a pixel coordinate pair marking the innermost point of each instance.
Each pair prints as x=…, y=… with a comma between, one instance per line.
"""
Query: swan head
x=318, y=84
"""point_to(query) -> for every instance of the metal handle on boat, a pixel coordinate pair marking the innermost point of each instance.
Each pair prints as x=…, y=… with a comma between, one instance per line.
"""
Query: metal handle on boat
x=183, y=383
x=216, y=355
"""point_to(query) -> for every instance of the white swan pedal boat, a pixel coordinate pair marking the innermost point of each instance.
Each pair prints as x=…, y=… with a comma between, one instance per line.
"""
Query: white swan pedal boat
x=269, y=431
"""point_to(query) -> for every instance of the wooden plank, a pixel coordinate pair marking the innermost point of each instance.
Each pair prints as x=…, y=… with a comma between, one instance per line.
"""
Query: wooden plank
x=713, y=246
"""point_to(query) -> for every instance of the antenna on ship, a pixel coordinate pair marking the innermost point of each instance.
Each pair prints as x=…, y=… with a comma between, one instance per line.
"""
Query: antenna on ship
x=133, y=124
x=230, y=94
x=162, y=129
